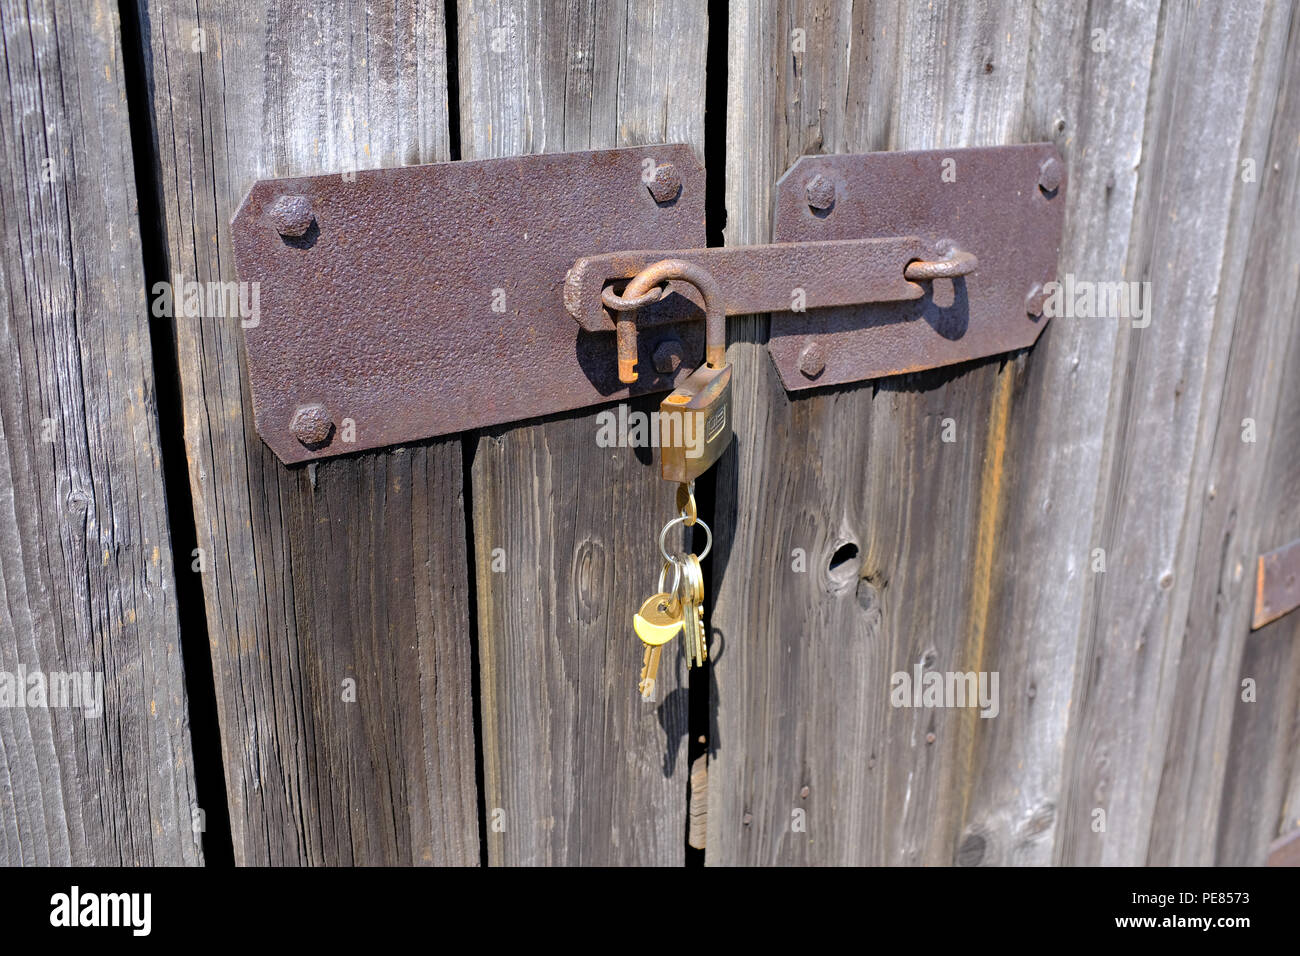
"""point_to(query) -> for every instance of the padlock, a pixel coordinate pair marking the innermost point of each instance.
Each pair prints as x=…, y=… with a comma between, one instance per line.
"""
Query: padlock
x=695, y=418
x=695, y=424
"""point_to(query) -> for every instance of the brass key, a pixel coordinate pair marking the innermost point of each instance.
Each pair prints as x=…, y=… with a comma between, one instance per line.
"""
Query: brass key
x=657, y=623
x=691, y=595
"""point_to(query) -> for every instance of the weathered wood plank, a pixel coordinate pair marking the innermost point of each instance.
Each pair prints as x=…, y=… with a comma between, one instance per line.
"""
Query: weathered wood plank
x=1159, y=433
x=354, y=570
x=580, y=769
x=1261, y=785
x=86, y=581
x=1086, y=89
x=1258, y=799
x=1235, y=520
x=809, y=763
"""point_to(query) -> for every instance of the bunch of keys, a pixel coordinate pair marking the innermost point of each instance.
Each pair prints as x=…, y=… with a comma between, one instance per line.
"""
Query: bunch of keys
x=678, y=608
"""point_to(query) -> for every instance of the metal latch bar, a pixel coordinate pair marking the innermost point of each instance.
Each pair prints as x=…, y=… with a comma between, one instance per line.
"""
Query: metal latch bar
x=777, y=277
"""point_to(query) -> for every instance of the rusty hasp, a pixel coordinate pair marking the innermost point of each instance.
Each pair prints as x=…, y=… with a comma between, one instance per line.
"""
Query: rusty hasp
x=1002, y=205
x=401, y=304
x=753, y=279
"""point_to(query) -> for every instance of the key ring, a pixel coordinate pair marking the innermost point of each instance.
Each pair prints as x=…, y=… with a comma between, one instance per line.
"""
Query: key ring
x=677, y=576
x=681, y=519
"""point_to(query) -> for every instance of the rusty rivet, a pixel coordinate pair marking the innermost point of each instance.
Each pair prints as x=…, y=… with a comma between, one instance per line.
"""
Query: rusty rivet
x=929, y=738
x=803, y=794
x=820, y=192
x=666, y=184
x=1049, y=175
x=291, y=215
x=312, y=425
x=812, y=360
x=668, y=356
x=1035, y=301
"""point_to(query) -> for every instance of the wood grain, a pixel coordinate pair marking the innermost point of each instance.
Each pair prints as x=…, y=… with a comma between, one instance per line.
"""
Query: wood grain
x=1159, y=433
x=1235, y=520
x=577, y=768
x=86, y=581
x=1088, y=77
x=809, y=763
x=1261, y=784
x=978, y=555
x=354, y=570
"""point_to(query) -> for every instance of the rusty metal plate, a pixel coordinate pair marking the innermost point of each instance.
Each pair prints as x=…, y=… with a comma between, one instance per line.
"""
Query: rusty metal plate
x=1277, y=585
x=985, y=201
x=400, y=304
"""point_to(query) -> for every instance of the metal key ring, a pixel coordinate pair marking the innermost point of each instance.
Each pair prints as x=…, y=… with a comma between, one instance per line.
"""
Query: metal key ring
x=681, y=519
x=676, y=565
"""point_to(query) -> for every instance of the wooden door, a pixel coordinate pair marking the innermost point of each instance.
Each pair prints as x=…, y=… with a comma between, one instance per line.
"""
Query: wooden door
x=422, y=655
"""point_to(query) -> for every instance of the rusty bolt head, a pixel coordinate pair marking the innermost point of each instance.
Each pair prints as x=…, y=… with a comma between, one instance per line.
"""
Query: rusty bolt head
x=312, y=425
x=1049, y=175
x=803, y=793
x=666, y=184
x=291, y=215
x=668, y=356
x=820, y=192
x=1035, y=300
x=812, y=360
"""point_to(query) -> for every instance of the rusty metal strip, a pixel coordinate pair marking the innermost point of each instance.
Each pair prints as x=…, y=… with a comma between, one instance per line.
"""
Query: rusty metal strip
x=1277, y=584
x=400, y=304
x=1004, y=204
x=756, y=279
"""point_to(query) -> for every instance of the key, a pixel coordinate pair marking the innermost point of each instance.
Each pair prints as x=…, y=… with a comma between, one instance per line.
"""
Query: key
x=688, y=613
x=685, y=594
x=659, y=620
x=657, y=623
x=691, y=595
x=697, y=578
x=649, y=672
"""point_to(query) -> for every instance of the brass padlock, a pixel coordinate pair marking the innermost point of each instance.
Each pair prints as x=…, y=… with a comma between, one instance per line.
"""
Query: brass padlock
x=695, y=418
x=695, y=424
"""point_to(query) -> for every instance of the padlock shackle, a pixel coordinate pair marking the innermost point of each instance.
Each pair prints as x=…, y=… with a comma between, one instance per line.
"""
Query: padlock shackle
x=715, y=313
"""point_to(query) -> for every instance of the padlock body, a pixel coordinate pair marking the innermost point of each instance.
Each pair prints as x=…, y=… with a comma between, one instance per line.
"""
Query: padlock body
x=695, y=423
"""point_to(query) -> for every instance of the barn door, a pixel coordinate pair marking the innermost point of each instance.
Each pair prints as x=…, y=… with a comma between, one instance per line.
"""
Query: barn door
x=422, y=654
x=361, y=610
x=1073, y=518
